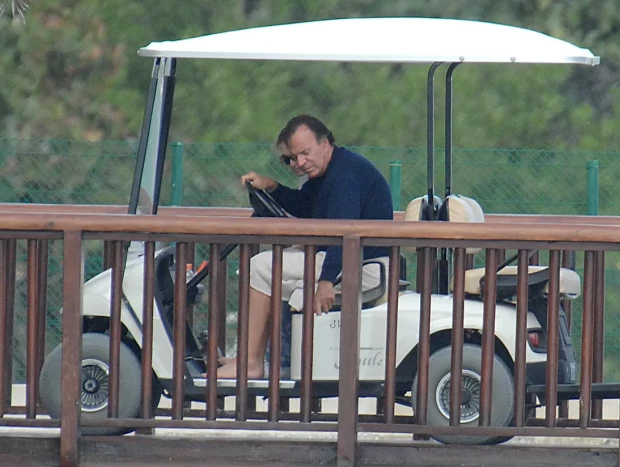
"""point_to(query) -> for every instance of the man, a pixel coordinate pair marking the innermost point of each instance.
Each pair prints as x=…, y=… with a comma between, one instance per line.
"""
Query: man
x=286, y=159
x=341, y=185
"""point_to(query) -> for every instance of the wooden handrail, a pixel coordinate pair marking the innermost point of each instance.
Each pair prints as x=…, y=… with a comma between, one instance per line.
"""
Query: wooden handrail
x=247, y=212
x=118, y=209
x=241, y=226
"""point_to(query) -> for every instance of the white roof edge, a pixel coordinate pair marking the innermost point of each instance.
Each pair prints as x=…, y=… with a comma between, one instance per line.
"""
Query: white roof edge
x=395, y=40
x=577, y=60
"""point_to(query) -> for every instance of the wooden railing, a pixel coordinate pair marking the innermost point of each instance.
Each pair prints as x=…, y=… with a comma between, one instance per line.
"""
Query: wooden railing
x=72, y=226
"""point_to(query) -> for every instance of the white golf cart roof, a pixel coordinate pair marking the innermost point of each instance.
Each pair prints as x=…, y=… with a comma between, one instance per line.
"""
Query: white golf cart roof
x=402, y=40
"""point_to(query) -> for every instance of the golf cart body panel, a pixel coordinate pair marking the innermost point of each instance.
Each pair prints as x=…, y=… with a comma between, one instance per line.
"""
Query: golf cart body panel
x=373, y=332
x=97, y=300
x=402, y=40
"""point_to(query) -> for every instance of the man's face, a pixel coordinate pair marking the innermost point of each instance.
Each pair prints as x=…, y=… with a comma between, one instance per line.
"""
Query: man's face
x=285, y=156
x=310, y=156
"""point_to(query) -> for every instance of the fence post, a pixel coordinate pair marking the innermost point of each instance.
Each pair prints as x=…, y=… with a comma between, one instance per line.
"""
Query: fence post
x=592, y=188
x=73, y=277
x=395, y=183
x=349, y=351
x=177, y=174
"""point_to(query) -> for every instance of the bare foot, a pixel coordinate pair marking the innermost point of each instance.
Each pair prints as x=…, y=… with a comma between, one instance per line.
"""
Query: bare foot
x=229, y=370
x=222, y=361
x=225, y=360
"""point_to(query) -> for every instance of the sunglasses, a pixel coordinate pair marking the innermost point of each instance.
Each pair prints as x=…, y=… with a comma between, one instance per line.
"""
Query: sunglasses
x=286, y=160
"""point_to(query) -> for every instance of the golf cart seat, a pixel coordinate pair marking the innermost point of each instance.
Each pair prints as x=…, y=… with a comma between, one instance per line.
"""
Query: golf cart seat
x=570, y=283
x=458, y=208
x=417, y=209
x=372, y=296
x=455, y=208
x=378, y=294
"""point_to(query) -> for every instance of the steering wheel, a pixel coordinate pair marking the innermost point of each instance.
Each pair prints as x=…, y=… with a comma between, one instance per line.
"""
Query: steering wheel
x=264, y=205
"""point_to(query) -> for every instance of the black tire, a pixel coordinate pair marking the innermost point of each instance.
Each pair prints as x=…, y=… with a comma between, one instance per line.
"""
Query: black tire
x=156, y=393
x=502, y=403
x=95, y=365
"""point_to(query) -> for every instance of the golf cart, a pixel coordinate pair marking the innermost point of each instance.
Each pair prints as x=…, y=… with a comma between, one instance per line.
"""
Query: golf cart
x=400, y=40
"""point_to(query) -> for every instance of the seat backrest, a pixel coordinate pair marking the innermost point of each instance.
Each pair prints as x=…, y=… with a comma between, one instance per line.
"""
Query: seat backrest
x=377, y=294
x=458, y=208
x=417, y=209
x=455, y=208
x=370, y=296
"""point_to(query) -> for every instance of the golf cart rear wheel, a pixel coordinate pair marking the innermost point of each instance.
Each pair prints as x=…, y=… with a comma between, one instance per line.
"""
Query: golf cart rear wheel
x=439, y=381
x=95, y=383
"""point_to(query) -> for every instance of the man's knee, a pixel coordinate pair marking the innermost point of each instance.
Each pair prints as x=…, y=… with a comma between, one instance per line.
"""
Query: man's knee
x=261, y=261
x=260, y=268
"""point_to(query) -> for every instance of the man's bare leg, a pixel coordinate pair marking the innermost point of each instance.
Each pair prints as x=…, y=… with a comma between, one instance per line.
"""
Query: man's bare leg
x=260, y=311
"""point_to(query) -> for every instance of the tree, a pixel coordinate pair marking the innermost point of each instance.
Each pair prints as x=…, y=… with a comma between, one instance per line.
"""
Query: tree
x=18, y=8
x=72, y=72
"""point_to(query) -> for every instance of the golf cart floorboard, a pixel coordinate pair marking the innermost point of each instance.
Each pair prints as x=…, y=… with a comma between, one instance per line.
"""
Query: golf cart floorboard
x=573, y=391
x=182, y=451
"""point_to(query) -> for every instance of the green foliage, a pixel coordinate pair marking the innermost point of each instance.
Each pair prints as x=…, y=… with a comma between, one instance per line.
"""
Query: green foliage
x=73, y=72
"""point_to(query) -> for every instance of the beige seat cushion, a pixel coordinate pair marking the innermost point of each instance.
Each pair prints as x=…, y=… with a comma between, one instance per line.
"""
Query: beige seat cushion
x=414, y=213
x=414, y=209
x=463, y=209
x=570, y=284
x=459, y=209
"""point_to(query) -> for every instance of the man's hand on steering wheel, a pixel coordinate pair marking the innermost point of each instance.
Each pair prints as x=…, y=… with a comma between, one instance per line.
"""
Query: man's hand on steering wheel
x=260, y=199
x=259, y=182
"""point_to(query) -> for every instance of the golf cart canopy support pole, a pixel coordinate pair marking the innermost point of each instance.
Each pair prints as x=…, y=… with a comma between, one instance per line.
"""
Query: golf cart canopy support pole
x=146, y=186
x=430, y=139
x=443, y=279
x=144, y=133
x=448, y=130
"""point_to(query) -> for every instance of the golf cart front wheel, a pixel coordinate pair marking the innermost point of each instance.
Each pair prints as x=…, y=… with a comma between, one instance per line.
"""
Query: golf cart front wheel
x=439, y=381
x=95, y=383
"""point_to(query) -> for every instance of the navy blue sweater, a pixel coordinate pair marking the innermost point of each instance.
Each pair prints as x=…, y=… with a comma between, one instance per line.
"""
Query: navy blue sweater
x=351, y=188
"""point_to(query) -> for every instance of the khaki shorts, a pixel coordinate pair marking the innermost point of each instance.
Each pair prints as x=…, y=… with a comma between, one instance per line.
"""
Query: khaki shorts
x=293, y=274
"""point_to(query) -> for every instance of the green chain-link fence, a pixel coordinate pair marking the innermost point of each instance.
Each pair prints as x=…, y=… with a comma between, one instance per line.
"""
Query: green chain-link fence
x=502, y=180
